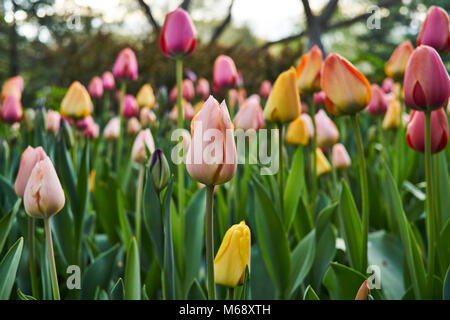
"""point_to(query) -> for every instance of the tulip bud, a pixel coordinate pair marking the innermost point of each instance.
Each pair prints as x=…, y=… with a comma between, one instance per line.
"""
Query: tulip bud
x=327, y=132
x=265, y=88
x=28, y=160
x=177, y=37
x=225, y=74
x=396, y=65
x=242, y=95
x=308, y=71
x=108, y=80
x=363, y=292
x=145, y=96
x=112, y=129
x=233, y=256
x=147, y=116
x=187, y=89
x=347, y=90
x=188, y=111
x=250, y=115
x=126, y=65
x=130, y=107
x=202, y=165
x=43, y=196
x=426, y=83
x=388, y=85
x=133, y=126
x=392, y=117
x=378, y=103
x=435, y=30
x=340, y=157
x=203, y=88
x=159, y=167
x=11, y=109
x=283, y=104
x=319, y=99
x=29, y=118
x=77, y=102
x=53, y=121
x=92, y=130
x=297, y=132
x=143, y=140
x=322, y=164
x=415, y=131
x=4, y=152
x=95, y=87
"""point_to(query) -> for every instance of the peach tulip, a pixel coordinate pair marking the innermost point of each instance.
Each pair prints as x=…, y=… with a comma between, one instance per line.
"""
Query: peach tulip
x=53, y=121
x=28, y=160
x=147, y=117
x=250, y=114
x=188, y=111
x=340, y=157
x=308, y=71
x=392, y=117
x=308, y=123
x=126, y=65
x=396, y=65
x=133, y=126
x=12, y=86
x=327, y=132
x=143, y=140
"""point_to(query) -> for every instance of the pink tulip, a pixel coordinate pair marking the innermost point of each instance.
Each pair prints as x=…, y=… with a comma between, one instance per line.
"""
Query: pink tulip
x=11, y=109
x=108, y=80
x=126, y=65
x=225, y=74
x=388, y=85
x=203, y=88
x=43, y=196
x=435, y=30
x=304, y=107
x=319, y=98
x=415, y=131
x=426, y=82
x=340, y=157
x=178, y=35
x=309, y=124
x=92, y=130
x=265, y=88
x=327, y=132
x=112, y=129
x=29, y=158
x=95, y=87
x=133, y=126
x=233, y=97
x=242, y=95
x=219, y=164
x=130, y=106
x=53, y=121
x=378, y=103
x=188, y=112
x=147, y=116
x=187, y=89
x=143, y=140
x=84, y=123
x=250, y=115
x=173, y=95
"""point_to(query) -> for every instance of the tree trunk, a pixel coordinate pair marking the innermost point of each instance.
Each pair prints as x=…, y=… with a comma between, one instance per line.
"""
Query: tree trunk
x=315, y=34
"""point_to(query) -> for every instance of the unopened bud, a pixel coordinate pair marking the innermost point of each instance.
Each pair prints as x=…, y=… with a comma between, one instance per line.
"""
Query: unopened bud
x=159, y=168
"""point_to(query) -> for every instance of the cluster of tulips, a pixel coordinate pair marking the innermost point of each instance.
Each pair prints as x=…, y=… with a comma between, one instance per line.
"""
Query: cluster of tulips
x=102, y=155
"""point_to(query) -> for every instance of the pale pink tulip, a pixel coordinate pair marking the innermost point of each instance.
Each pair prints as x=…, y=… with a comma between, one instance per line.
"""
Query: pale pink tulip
x=112, y=129
x=53, y=121
x=340, y=157
x=250, y=115
x=28, y=160
x=327, y=132
x=143, y=140
x=133, y=126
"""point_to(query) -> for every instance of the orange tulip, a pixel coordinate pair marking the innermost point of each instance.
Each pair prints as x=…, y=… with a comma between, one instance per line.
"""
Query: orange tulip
x=308, y=71
x=396, y=65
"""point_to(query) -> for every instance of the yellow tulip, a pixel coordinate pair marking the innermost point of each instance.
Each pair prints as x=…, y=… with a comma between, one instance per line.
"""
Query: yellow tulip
x=308, y=71
x=233, y=256
x=297, y=132
x=145, y=96
x=323, y=166
x=77, y=102
x=392, y=117
x=283, y=104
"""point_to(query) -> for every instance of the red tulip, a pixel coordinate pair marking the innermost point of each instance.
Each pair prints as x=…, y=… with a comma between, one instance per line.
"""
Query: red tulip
x=378, y=103
x=108, y=80
x=225, y=74
x=203, y=88
x=95, y=87
x=435, y=30
x=11, y=109
x=130, y=106
x=178, y=34
x=415, y=131
x=126, y=65
x=265, y=88
x=426, y=83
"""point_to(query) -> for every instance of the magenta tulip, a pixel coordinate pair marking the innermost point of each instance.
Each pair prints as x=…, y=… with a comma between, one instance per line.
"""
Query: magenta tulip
x=319, y=98
x=11, y=109
x=108, y=80
x=178, y=35
x=225, y=74
x=95, y=87
x=126, y=65
x=435, y=30
x=388, y=85
x=378, y=103
x=130, y=106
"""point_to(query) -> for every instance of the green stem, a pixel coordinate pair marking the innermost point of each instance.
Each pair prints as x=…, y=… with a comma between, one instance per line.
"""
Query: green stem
x=364, y=190
x=32, y=266
x=51, y=259
x=281, y=169
x=123, y=89
x=230, y=293
x=210, y=241
x=105, y=111
x=137, y=217
x=313, y=161
x=180, y=125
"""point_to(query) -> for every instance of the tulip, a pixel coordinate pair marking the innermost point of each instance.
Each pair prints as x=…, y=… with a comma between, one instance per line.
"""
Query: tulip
x=319, y=98
x=415, y=131
x=223, y=167
x=198, y=106
x=323, y=166
x=112, y=129
x=43, y=195
x=188, y=112
x=92, y=131
x=327, y=132
x=12, y=86
x=203, y=88
x=347, y=90
x=395, y=67
x=378, y=103
x=160, y=170
x=308, y=71
x=283, y=104
x=53, y=121
x=77, y=102
x=363, y=292
x=126, y=65
x=143, y=140
x=178, y=35
x=308, y=123
x=225, y=74
x=188, y=91
x=84, y=123
x=426, y=83
x=190, y=75
x=242, y=95
x=265, y=88
x=145, y=97
x=146, y=117
x=297, y=132
x=388, y=85
x=29, y=118
x=95, y=87
x=133, y=126
x=340, y=157
x=233, y=256
x=28, y=160
x=435, y=30
x=392, y=117
x=250, y=115
x=173, y=94
x=108, y=80
x=232, y=97
x=11, y=109
x=130, y=106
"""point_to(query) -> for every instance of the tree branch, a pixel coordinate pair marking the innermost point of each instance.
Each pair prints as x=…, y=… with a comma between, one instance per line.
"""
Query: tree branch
x=308, y=11
x=328, y=11
x=218, y=31
x=185, y=5
x=148, y=13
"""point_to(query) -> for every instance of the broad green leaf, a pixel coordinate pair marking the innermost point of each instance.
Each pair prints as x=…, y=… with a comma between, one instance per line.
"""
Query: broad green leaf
x=8, y=269
x=310, y=294
x=6, y=223
x=63, y=231
x=262, y=289
x=8, y=197
x=294, y=187
x=82, y=194
x=132, y=273
x=169, y=264
x=123, y=220
x=325, y=252
x=303, y=223
x=196, y=292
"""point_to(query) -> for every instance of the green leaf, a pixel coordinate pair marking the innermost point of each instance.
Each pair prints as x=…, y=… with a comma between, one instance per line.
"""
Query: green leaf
x=118, y=291
x=82, y=194
x=8, y=196
x=169, y=265
x=132, y=273
x=310, y=294
x=8, y=269
x=23, y=296
x=294, y=187
x=196, y=292
x=446, y=289
x=123, y=220
x=351, y=227
x=6, y=223
x=99, y=273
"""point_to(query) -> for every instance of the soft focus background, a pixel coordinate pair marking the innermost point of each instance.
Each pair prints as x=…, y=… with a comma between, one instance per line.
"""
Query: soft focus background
x=54, y=42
